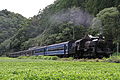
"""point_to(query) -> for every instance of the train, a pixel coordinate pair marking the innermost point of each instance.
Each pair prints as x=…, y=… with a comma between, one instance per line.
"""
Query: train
x=86, y=47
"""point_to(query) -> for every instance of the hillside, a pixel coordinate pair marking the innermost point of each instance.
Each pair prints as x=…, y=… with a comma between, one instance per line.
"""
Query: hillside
x=10, y=23
x=57, y=21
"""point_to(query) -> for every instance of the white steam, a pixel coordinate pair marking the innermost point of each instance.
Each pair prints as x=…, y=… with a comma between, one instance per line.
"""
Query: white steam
x=75, y=15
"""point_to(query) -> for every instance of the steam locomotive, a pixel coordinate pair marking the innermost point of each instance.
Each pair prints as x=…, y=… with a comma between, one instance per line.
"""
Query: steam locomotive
x=87, y=47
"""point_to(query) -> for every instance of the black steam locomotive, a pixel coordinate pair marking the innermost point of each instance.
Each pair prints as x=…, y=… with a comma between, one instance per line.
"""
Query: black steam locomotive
x=87, y=47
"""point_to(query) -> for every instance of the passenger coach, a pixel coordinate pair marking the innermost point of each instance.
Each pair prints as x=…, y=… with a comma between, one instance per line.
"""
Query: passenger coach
x=61, y=49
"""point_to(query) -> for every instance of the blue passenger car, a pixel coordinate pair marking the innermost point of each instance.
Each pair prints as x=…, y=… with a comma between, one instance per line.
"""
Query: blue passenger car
x=59, y=49
x=40, y=51
x=64, y=48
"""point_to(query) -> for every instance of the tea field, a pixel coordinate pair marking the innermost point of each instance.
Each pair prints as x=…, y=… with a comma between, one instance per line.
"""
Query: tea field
x=36, y=69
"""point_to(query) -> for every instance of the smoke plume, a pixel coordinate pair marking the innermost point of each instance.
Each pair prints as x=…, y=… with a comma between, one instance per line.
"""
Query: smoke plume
x=75, y=15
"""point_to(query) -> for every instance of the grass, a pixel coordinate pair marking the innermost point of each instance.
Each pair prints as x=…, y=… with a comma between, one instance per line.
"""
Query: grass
x=37, y=69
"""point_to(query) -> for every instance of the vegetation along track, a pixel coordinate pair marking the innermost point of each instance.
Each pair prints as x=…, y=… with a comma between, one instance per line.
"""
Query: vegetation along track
x=36, y=69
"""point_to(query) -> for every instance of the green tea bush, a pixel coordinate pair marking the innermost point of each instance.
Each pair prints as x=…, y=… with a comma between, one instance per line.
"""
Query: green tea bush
x=54, y=58
x=23, y=57
x=39, y=57
x=37, y=69
x=114, y=58
x=67, y=59
x=48, y=57
x=33, y=57
x=116, y=54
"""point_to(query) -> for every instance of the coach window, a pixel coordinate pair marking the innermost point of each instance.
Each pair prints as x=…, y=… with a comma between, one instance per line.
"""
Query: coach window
x=40, y=51
x=56, y=49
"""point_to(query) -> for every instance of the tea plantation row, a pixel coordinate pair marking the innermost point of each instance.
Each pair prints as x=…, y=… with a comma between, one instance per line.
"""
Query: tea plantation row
x=36, y=69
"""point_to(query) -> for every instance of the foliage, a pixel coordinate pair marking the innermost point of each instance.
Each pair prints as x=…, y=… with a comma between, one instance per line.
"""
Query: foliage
x=116, y=54
x=94, y=6
x=107, y=23
x=67, y=59
x=34, y=69
x=48, y=57
x=10, y=23
x=110, y=18
x=23, y=57
x=63, y=32
x=115, y=58
x=39, y=57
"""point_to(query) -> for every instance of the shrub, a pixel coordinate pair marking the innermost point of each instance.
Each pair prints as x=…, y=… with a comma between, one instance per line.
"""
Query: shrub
x=54, y=58
x=39, y=57
x=67, y=59
x=115, y=59
x=22, y=57
x=49, y=57
x=33, y=57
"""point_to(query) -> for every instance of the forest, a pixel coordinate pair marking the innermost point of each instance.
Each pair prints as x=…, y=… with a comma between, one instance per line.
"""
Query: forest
x=64, y=20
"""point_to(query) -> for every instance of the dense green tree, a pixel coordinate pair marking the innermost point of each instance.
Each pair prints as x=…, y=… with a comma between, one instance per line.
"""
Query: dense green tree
x=110, y=26
x=94, y=6
x=10, y=23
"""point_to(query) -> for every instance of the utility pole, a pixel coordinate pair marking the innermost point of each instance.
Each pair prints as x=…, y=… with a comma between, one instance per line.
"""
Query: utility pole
x=71, y=22
x=118, y=36
x=73, y=29
x=73, y=33
x=117, y=47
